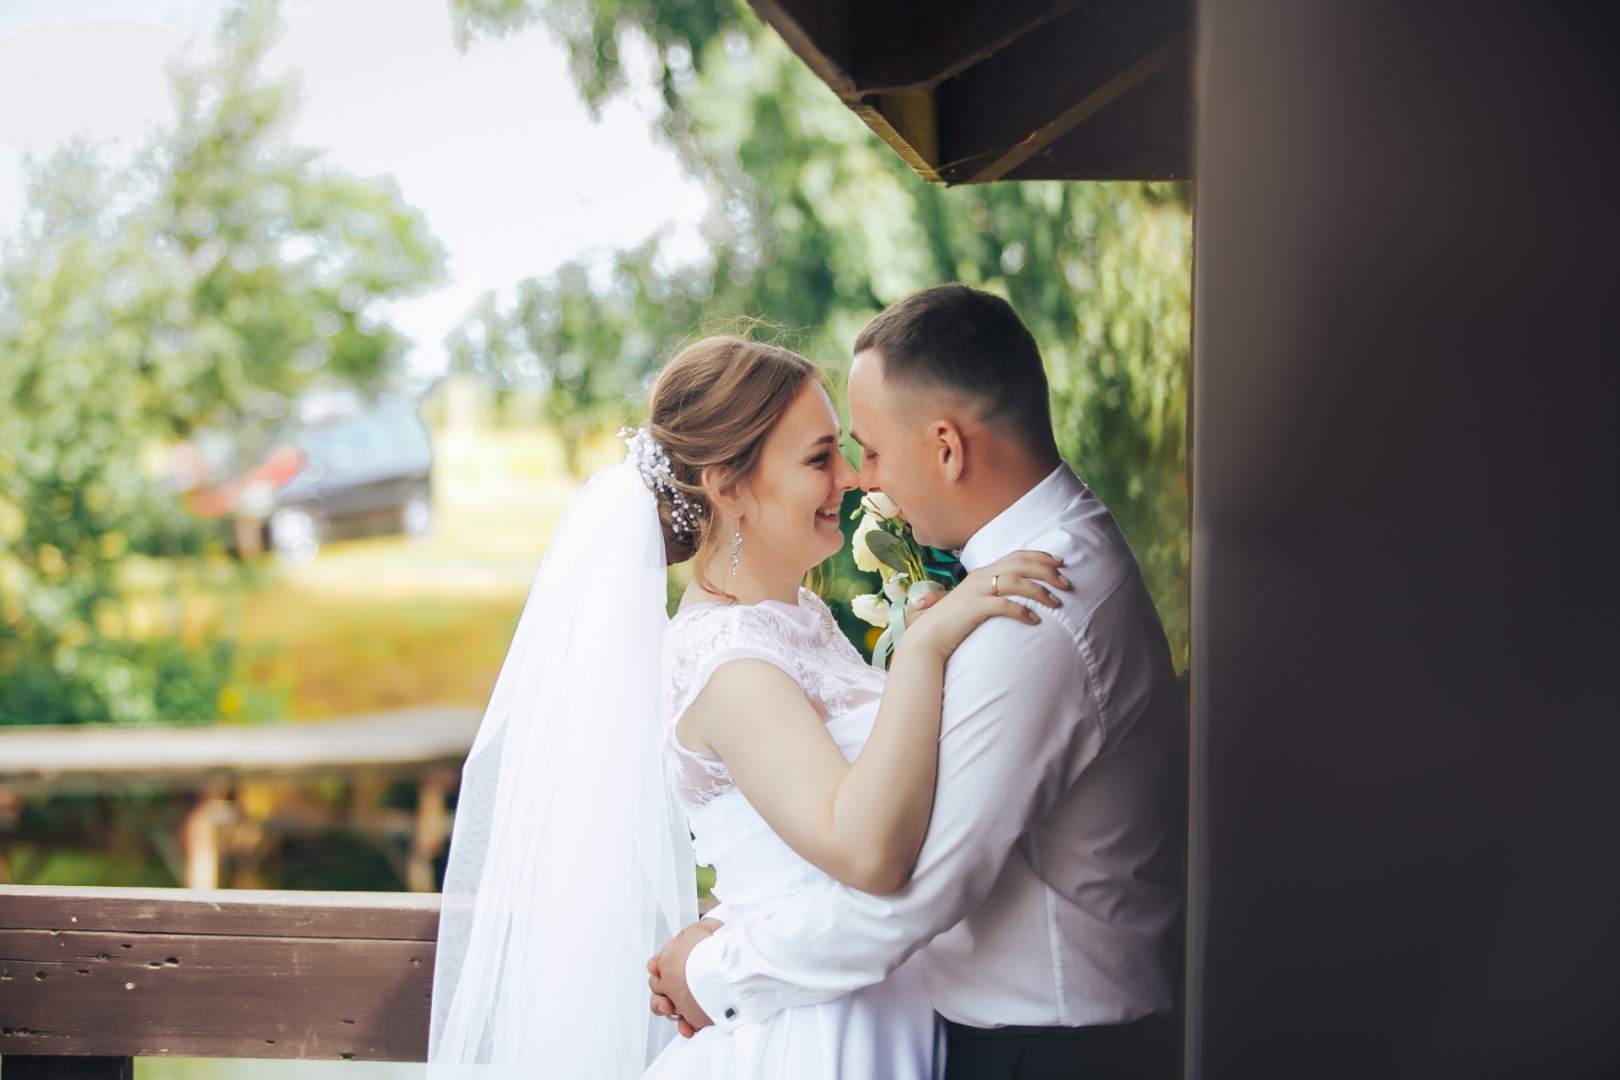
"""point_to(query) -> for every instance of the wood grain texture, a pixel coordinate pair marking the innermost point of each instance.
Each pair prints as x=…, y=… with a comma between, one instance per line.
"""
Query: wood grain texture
x=397, y=916
x=71, y=992
x=909, y=124
x=1144, y=134
x=145, y=972
x=909, y=46
x=1005, y=110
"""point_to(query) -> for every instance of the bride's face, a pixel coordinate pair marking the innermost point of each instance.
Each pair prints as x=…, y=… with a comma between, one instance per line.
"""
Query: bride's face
x=791, y=503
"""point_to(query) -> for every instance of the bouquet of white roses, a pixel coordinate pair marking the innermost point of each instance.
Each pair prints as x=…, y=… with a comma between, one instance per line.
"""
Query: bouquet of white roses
x=883, y=544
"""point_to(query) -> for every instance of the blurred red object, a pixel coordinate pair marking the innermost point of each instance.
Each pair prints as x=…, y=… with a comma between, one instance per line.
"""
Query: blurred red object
x=280, y=465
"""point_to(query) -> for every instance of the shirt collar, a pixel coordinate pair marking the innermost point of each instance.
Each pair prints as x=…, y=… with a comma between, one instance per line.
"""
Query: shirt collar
x=1012, y=529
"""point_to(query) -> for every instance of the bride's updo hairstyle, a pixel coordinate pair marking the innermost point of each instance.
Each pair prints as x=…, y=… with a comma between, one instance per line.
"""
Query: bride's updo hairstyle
x=713, y=405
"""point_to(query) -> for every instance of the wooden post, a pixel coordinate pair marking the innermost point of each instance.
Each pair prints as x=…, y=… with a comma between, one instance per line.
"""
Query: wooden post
x=432, y=827
x=15, y=1067
x=199, y=836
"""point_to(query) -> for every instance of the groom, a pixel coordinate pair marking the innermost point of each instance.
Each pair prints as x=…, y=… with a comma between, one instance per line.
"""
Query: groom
x=1046, y=900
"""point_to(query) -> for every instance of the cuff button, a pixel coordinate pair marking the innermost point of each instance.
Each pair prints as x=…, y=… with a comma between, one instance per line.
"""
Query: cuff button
x=731, y=1014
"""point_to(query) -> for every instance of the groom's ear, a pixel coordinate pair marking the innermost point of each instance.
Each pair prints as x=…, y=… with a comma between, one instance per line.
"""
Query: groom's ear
x=949, y=448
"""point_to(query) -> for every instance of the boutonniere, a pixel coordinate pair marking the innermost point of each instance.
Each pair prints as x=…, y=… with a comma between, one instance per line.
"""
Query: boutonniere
x=883, y=544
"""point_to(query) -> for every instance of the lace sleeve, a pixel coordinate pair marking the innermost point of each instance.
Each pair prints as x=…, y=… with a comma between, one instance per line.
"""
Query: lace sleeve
x=702, y=640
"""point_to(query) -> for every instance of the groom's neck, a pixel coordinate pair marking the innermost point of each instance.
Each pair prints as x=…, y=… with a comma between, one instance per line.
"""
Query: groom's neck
x=1000, y=480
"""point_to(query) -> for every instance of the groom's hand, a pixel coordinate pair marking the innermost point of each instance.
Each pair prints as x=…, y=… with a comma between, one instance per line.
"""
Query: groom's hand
x=668, y=982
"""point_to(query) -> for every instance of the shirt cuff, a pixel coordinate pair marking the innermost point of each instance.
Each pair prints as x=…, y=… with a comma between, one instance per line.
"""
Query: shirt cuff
x=708, y=987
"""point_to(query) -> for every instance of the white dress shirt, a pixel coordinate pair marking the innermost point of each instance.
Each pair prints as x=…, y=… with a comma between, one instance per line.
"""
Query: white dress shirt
x=1048, y=890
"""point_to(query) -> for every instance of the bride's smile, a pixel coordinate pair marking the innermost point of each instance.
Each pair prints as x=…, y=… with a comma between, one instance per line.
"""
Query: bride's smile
x=787, y=509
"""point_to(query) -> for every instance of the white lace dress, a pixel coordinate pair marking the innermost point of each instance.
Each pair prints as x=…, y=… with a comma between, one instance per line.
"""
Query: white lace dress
x=882, y=1032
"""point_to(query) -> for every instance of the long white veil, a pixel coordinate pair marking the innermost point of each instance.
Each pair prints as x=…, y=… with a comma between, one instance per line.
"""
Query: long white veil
x=570, y=862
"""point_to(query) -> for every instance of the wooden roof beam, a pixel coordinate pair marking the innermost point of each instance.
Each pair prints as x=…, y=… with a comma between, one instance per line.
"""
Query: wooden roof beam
x=941, y=38
x=1008, y=108
x=1141, y=135
x=972, y=91
x=900, y=46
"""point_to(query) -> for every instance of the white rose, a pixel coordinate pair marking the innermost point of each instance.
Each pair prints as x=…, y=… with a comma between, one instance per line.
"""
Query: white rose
x=881, y=505
x=864, y=559
x=895, y=587
x=870, y=608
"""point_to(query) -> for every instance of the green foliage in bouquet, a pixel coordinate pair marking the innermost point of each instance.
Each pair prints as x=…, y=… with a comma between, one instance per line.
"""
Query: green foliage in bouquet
x=883, y=541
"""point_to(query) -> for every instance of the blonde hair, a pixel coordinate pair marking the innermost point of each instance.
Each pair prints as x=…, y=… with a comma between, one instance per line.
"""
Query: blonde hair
x=712, y=406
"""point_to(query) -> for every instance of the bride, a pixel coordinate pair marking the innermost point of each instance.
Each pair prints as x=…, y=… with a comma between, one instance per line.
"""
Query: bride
x=748, y=719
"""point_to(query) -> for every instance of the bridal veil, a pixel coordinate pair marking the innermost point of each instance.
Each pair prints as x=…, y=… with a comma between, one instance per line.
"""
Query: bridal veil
x=570, y=863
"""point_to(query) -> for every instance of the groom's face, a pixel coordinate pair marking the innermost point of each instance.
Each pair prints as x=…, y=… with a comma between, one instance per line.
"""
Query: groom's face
x=897, y=456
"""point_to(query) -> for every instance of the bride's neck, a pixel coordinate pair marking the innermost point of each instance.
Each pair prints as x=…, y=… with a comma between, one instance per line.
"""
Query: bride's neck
x=755, y=580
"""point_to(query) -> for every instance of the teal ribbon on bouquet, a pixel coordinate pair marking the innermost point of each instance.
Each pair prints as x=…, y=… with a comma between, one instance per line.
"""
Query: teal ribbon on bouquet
x=944, y=565
x=889, y=640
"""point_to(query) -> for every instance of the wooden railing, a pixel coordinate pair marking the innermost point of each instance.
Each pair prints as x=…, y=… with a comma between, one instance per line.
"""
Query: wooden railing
x=91, y=978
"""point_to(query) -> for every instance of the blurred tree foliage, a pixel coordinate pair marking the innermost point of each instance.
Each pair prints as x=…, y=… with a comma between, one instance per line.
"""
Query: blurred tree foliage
x=203, y=286
x=816, y=225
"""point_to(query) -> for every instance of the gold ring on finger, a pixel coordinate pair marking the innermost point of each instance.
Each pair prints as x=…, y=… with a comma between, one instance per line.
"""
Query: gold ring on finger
x=995, y=582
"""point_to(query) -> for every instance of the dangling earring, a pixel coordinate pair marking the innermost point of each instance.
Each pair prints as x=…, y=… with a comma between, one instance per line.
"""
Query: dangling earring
x=736, y=549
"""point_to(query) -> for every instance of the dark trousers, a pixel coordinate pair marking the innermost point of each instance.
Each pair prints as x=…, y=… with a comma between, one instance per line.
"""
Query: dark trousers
x=1146, y=1049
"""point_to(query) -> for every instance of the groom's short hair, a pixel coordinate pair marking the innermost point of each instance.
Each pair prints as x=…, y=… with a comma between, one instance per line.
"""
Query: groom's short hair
x=969, y=344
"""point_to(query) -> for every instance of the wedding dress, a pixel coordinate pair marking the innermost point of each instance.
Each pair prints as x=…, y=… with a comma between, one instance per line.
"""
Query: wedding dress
x=570, y=861
x=881, y=1032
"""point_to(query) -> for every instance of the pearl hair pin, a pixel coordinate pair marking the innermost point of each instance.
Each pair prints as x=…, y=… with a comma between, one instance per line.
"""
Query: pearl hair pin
x=653, y=464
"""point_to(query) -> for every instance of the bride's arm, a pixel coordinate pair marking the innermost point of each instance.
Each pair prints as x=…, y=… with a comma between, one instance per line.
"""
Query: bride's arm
x=862, y=824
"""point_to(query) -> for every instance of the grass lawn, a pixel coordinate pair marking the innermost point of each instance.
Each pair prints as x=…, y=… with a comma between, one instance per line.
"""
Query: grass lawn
x=327, y=655
x=383, y=623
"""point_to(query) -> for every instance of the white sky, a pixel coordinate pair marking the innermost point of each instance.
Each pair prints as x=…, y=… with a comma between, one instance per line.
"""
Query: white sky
x=492, y=145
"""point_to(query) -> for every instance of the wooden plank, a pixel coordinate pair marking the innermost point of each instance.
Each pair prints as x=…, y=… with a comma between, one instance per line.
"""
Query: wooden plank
x=819, y=33
x=909, y=46
x=1145, y=134
x=101, y=757
x=240, y=913
x=21, y=1067
x=73, y=992
x=909, y=123
x=999, y=114
x=900, y=46
x=967, y=92
x=1076, y=114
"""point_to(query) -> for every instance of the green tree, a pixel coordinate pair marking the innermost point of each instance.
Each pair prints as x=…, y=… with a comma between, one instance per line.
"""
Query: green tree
x=221, y=274
x=816, y=225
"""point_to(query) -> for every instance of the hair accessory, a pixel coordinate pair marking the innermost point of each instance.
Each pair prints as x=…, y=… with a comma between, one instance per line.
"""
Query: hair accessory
x=653, y=464
x=736, y=549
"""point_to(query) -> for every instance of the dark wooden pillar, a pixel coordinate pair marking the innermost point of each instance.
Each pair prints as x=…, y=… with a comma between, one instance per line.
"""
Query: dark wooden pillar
x=1406, y=602
x=13, y=1067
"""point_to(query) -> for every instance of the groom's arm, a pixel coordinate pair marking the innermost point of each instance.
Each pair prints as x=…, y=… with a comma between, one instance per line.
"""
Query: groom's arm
x=1020, y=723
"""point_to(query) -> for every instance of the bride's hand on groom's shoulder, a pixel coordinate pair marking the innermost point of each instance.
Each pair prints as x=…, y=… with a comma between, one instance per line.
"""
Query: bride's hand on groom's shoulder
x=944, y=619
x=670, y=996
